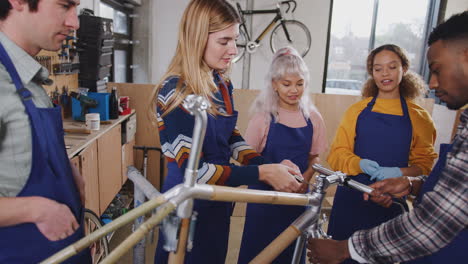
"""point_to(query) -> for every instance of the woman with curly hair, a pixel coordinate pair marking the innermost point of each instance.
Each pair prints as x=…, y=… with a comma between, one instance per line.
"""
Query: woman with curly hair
x=385, y=135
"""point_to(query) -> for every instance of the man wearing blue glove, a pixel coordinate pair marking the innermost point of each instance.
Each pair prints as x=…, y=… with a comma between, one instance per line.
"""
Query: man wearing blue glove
x=436, y=230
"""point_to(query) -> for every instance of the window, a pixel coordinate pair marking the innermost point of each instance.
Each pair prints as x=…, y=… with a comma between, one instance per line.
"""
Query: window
x=373, y=23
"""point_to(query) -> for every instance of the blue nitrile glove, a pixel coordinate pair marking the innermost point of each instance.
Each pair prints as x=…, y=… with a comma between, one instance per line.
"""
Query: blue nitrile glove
x=368, y=166
x=386, y=173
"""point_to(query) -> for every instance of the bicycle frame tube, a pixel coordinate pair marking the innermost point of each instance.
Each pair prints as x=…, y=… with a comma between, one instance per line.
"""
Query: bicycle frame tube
x=278, y=16
x=268, y=28
x=180, y=193
x=197, y=106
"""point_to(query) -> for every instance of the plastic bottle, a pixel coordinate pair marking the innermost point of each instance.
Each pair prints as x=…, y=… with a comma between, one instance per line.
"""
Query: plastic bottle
x=114, y=104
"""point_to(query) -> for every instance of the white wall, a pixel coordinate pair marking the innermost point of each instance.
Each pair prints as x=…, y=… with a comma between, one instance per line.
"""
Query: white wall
x=455, y=6
x=166, y=17
x=314, y=14
x=90, y=4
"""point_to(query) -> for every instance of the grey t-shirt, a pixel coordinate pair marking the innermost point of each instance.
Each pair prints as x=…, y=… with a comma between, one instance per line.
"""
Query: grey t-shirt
x=15, y=131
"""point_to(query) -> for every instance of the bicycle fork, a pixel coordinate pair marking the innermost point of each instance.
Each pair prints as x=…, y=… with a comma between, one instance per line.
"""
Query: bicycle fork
x=285, y=31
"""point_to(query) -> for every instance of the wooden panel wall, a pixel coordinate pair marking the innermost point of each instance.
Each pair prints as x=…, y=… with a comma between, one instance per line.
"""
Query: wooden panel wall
x=68, y=80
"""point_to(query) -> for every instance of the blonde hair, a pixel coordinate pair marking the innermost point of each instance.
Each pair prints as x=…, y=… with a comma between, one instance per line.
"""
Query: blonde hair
x=285, y=61
x=200, y=18
x=411, y=86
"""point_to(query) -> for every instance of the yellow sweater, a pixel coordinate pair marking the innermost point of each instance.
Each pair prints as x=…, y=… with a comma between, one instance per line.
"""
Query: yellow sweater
x=422, y=153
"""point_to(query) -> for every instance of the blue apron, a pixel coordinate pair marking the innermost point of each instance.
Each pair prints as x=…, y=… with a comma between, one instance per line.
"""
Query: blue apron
x=457, y=250
x=264, y=222
x=385, y=139
x=51, y=177
x=214, y=218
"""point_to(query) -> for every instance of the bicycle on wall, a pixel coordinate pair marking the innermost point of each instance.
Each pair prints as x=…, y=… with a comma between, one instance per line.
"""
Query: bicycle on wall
x=286, y=33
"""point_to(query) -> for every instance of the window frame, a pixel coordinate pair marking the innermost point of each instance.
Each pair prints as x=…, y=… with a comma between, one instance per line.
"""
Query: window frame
x=433, y=16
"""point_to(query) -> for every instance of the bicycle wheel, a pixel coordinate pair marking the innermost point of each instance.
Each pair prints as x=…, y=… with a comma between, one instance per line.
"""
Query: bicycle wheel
x=298, y=33
x=241, y=44
x=99, y=249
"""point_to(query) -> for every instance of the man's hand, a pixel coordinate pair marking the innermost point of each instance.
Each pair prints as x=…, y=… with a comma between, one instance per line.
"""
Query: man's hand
x=54, y=220
x=393, y=187
x=80, y=182
x=279, y=177
x=327, y=251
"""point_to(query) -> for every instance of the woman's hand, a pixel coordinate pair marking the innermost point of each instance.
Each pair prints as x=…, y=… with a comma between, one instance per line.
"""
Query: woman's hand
x=279, y=176
x=291, y=165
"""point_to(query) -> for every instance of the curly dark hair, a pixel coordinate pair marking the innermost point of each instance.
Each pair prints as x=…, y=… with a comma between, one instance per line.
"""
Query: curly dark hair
x=412, y=85
x=455, y=28
x=5, y=7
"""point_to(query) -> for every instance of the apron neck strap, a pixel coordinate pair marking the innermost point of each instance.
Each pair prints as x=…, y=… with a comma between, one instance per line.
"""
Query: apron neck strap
x=404, y=105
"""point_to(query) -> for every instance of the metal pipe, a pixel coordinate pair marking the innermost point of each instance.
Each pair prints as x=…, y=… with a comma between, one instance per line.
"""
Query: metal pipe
x=299, y=248
x=197, y=105
x=358, y=186
x=143, y=184
x=342, y=179
x=320, y=169
x=142, y=189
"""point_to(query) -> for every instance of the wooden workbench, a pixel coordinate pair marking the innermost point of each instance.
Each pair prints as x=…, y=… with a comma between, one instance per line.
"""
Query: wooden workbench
x=102, y=160
x=75, y=143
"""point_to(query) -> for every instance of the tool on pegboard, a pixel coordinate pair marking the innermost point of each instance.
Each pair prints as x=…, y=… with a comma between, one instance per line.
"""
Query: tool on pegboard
x=68, y=61
x=45, y=61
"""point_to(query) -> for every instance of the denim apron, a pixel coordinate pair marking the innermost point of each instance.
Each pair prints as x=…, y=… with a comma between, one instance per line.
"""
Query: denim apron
x=264, y=222
x=385, y=139
x=51, y=177
x=214, y=218
x=457, y=250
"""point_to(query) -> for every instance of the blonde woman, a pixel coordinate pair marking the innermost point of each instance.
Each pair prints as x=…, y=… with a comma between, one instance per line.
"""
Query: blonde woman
x=204, y=54
x=385, y=135
x=285, y=125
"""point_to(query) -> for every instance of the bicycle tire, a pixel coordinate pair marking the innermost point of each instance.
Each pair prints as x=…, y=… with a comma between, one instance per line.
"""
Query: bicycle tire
x=99, y=249
x=241, y=44
x=299, y=34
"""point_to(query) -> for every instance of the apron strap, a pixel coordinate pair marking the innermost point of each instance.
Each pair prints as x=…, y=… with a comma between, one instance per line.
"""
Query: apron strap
x=404, y=106
x=26, y=97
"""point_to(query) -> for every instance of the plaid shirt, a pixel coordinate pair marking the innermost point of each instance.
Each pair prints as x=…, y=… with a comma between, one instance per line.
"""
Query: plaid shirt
x=433, y=223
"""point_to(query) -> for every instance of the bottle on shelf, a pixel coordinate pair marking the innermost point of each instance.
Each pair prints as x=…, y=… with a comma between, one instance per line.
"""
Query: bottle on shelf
x=114, y=104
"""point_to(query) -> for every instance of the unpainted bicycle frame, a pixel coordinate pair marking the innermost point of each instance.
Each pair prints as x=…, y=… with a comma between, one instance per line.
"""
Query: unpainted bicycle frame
x=278, y=16
x=181, y=197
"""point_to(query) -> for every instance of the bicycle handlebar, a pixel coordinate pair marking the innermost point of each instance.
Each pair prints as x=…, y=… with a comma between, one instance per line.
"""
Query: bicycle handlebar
x=343, y=179
x=289, y=6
